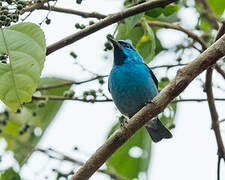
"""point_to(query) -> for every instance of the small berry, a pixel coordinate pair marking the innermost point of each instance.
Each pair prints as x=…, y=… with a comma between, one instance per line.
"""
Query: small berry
x=82, y=26
x=41, y=104
x=4, y=122
x=9, y=1
x=27, y=126
x=3, y=17
x=101, y=80
x=19, y=7
x=109, y=36
x=5, y=12
x=69, y=93
x=34, y=114
x=91, y=22
x=4, y=61
x=108, y=46
x=15, y=18
x=48, y=21
x=2, y=57
x=4, y=8
x=93, y=93
x=7, y=20
x=73, y=54
x=79, y=1
x=18, y=111
x=77, y=25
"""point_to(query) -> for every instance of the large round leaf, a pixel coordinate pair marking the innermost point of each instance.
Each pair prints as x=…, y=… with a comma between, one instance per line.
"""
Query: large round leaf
x=24, y=44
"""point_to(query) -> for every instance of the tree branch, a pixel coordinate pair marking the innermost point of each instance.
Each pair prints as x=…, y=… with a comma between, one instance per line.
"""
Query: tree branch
x=214, y=114
x=64, y=157
x=61, y=98
x=176, y=86
x=220, y=70
x=74, y=12
x=209, y=14
x=106, y=22
x=179, y=28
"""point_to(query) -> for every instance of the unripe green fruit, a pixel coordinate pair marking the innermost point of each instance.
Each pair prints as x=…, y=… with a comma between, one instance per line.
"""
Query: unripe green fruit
x=48, y=21
x=41, y=104
x=77, y=25
x=19, y=7
x=79, y=1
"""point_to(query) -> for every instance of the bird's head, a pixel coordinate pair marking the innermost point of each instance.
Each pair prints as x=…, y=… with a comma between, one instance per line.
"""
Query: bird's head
x=124, y=52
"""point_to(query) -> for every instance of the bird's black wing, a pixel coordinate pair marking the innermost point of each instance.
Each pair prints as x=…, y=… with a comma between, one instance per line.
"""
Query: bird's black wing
x=153, y=76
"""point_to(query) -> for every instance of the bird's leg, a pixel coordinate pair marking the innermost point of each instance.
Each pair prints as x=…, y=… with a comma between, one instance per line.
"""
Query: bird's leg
x=123, y=121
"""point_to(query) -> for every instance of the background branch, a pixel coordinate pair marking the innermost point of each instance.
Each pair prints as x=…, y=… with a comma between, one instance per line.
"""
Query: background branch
x=209, y=14
x=213, y=111
x=111, y=19
x=50, y=152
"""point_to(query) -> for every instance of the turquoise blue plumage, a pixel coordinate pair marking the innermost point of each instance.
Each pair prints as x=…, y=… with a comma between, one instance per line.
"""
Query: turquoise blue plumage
x=132, y=84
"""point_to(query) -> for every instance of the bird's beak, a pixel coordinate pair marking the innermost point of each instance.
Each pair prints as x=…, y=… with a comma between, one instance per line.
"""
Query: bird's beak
x=113, y=41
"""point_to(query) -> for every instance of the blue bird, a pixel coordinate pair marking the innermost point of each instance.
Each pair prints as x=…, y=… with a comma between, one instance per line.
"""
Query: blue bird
x=132, y=84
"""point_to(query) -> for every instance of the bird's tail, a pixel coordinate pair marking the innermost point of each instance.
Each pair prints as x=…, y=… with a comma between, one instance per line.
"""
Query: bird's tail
x=157, y=130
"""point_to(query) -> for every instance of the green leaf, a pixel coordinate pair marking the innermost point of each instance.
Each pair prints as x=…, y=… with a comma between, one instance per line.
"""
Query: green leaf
x=168, y=115
x=168, y=118
x=121, y=31
x=154, y=13
x=147, y=44
x=132, y=21
x=38, y=118
x=135, y=35
x=204, y=25
x=218, y=6
x=170, y=9
x=24, y=44
x=10, y=174
x=129, y=165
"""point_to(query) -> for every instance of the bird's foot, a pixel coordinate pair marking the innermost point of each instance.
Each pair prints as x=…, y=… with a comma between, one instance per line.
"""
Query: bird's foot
x=123, y=121
x=149, y=102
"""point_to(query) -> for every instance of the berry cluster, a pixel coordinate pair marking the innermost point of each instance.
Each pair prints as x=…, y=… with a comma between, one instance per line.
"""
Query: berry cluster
x=10, y=10
x=3, y=58
x=108, y=45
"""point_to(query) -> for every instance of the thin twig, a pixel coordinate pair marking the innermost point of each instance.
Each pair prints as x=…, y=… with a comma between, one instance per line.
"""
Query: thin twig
x=68, y=83
x=64, y=157
x=61, y=98
x=220, y=70
x=179, y=28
